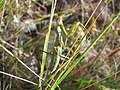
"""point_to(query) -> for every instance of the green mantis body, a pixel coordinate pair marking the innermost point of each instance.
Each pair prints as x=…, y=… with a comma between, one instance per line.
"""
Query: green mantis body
x=57, y=49
x=59, y=45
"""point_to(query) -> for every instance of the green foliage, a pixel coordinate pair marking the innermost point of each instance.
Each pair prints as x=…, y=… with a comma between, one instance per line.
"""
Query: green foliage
x=62, y=53
x=50, y=0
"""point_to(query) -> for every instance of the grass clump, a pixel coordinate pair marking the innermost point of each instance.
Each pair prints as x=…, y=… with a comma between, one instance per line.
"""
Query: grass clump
x=49, y=45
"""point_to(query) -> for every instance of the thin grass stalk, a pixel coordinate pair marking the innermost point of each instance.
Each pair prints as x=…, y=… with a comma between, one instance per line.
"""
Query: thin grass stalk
x=0, y=85
x=22, y=79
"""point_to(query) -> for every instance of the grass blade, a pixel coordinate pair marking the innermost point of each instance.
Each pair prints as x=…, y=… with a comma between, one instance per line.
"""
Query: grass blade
x=22, y=79
x=46, y=43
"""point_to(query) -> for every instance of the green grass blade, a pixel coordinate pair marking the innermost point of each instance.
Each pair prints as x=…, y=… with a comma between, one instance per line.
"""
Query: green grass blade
x=1, y=5
x=46, y=43
x=10, y=85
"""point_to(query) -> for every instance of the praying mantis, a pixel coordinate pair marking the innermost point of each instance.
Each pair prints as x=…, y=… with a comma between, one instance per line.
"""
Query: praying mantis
x=59, y=44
